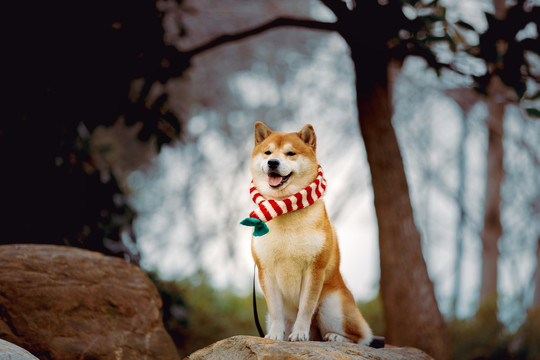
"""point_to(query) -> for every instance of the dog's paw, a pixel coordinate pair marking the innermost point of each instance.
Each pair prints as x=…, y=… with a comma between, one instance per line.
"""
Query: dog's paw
x=299, y=336
x=275, y=336
x=335, y=337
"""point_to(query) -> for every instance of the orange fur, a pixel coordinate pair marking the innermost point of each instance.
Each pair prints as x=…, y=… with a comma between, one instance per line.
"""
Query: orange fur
x=298, y=259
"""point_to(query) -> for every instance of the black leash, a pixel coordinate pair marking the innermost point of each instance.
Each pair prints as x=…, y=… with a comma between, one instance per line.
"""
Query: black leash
x=255, y=313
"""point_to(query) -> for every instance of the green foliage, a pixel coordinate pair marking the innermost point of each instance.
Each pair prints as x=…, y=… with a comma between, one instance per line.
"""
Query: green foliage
x=207, y=314
x=526, y=342
x=501, y=50
x=481, y=337
x=373, y=313
x=533, y=112
x=485, y=337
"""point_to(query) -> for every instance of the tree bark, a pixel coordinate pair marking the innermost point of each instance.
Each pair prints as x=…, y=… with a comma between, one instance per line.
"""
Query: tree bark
x=460, y=226
x=492, y=229
x=536, y=298
x=465, y=98
x=411, y=312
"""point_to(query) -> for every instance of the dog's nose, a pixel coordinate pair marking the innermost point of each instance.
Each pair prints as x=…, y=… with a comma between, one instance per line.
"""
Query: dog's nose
x=273, y=163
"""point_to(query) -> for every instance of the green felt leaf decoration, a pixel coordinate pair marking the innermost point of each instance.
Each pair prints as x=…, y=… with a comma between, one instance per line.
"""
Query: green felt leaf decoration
x=260, y=227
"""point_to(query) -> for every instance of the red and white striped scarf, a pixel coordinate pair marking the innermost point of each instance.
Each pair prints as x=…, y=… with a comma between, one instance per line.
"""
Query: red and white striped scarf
x=268, y=209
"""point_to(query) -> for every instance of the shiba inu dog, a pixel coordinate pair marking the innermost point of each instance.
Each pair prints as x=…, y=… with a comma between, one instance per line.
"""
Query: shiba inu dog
x=298, y=259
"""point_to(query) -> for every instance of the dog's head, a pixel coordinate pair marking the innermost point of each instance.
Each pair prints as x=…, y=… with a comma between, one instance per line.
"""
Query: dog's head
x=283, y=163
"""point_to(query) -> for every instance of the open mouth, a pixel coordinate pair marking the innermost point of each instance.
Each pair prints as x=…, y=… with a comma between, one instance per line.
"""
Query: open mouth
x=275, y=180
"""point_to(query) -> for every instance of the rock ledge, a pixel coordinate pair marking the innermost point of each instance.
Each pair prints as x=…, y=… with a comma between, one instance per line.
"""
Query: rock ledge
x=251, y=348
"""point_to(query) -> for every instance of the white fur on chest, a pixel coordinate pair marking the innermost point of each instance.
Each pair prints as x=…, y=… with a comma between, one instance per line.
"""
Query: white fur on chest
x=289, y=249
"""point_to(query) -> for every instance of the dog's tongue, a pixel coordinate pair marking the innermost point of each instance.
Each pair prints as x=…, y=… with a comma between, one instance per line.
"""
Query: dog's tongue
x=274, y=179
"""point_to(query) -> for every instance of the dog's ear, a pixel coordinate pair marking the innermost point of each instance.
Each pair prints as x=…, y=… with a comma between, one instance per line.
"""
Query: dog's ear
x=307, y=134
x=261, y=132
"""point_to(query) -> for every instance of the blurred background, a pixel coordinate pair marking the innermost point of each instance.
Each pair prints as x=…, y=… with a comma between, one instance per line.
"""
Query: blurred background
x=123, y=135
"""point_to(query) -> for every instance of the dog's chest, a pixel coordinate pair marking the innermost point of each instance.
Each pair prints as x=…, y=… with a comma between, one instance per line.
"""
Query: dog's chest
x=292, y=244
x=285, y=250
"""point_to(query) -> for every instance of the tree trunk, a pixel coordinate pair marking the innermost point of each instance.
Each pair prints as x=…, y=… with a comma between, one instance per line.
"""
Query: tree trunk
x=466, y=99
x=536, y=298
x=492, y=229
x=411, y=312
x=460, y=227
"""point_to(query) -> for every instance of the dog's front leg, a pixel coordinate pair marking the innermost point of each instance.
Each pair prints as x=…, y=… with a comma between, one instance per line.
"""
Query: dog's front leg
x=312, y=284
x=274, y=301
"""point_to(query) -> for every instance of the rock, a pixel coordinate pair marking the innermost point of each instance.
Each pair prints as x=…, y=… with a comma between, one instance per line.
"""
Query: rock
x=66, y=303
x=251, y=348
x=13, y=352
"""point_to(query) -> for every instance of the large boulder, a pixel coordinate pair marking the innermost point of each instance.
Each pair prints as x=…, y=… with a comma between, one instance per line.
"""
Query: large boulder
x=251, y=348
x=67, y=303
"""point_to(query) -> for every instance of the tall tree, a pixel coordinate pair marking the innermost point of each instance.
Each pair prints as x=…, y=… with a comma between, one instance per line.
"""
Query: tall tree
x=411, y=312
x=492, y=229
x=466, y=98
x=508, y=67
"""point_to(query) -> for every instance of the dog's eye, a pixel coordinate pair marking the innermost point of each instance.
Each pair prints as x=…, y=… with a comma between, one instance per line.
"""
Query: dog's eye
x=268, y=152
x=290, y=153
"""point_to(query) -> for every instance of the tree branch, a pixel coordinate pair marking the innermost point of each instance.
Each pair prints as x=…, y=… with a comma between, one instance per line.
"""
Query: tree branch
x=279, y=22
